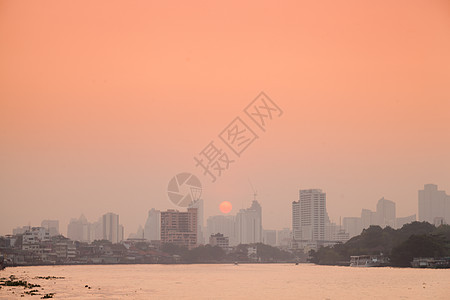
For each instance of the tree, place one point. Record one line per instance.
(418, 246)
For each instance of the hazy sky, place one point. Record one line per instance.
(102, 102)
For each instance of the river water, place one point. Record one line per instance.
(227, 281)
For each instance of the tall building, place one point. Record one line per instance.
(433, 204)
(198, 204)
(400, 222)
(224, 225)
(368, 218)
(78, 229)
(152, 228)
(270, 237)
(52, 226)
(179, 228)
(385, 215)
(309, 216)
(353, 226)
(112, 230)
(249, 224)
(284, 237)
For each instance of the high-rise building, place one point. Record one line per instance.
(112, 228)
(309, 216)
(433, 204)
(152, 228)
(385, 215)
(270, 237)
(400, 222)
(52, 226)
(249, 224)
(224, 225)
(353, 226)
(179, 228)
(78, 229)
(198, 204)
(368, 218)
(284, 237)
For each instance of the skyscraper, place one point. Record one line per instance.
(179, 228)
(200, 226)
(309, 216)
(111, 228)
(152, 228)
(433, 204)
(385, 215)
(77, 230)
(249, 224)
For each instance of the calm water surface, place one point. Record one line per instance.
(246, 281)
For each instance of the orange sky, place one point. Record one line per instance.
(102, 102)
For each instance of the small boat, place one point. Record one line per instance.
(431, 263)
(368, 261)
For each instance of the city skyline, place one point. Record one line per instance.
(149, 228)
(363, 88)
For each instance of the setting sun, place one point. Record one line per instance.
(225, 207)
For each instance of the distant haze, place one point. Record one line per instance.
(103, 102)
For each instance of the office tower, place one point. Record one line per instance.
(309, 215)
(78, 229)
(270, 237)
(249, 224)
(400, 222)
(385, 215)
(200, 226)
(284, 237)
(179, 228)
(111, 228)
(152, 228)
(368, 218)
(121, 233)
(224, 225)
(433, 204)
(353, 226)
(52, 226)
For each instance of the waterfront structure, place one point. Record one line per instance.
(179, 228)
(433, 204)
(152, 228)
(219, 240)
(32, 238)
(249, 224)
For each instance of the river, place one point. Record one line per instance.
(227, 281)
